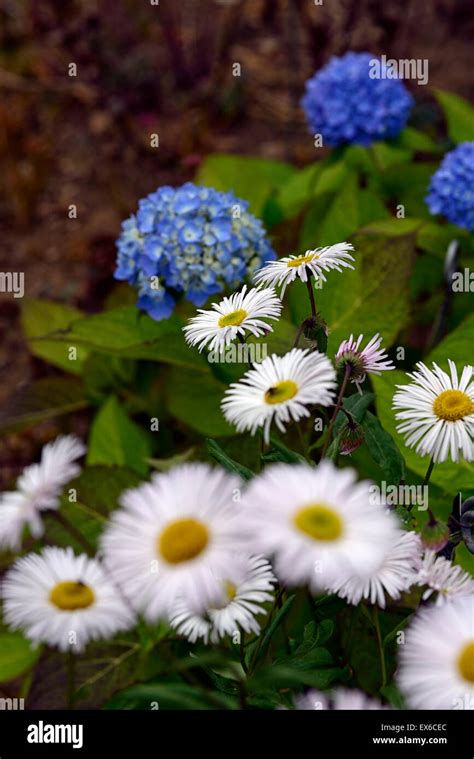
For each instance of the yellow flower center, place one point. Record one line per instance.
(230, 592)
(466, 662)
(69, 596)
(182, 540)
(319, 521)
(281, 392)
(301, 260)
(234, 319)
(452, 405)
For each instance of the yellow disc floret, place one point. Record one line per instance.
(182, 540)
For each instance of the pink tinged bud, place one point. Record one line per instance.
(352, 437)
(435, 534)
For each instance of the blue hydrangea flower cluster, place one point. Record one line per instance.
(451, 190)
(191, 239)
(346, 106)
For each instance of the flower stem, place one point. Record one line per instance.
(428, 473)
(73, 531)
(311, 293)
(276, 605)
(383, 667)
(337, 408)
(242, 653)
(71, 678)
(299, 333)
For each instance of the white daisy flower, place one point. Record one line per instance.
(62, 600)
(395, 574)
(38, 489)
(279, 389)
(436, 667)
(438, 412)
(319, 523)
(371, 360)
(242, 312)
(251, 586)
(175, 536)
(315, 262)
(340, 699)
(444, 578)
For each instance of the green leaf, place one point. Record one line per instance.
(390, 154)
(102, 669)
(393, 227)
(128, 333)
(42, 317)
(195, 400)
(44, 399)
(415, 140)
(279, 676)
(218, 454)
(252, 179)
(294, 194)
(331, 178)
(116, 440)
(17, 656)
(280, 452)
(459, 114)
(393, 634)
(105, 374)
(359, 158)
(96, 491)
(342, 218)
(393, 696)
(164, 465)
(457, 345)
(383, 450)
(371, 208)
(435, 238)
(170, 696)
(273, 627)
(407, 187)
(357, 405)
(282, 337)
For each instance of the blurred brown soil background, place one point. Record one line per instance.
(166, 68)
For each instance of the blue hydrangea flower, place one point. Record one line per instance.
(192, 240)
(346, 106)
(451, 190)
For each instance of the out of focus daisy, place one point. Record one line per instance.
(437, 412)
(241, 313)
(175, 536)
(313, 262)
(251, 587)
(319, 524)
(338, 700)
(38, 489)
(370, 360)
(63, 600)
(444, 579)
(396, 573)
(280, 389)
(436, 664)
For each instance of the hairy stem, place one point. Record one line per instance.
(383, 666)
(71, 678)
(73, 531)
(337, 408)
(309, 286)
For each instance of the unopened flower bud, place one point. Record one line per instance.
(351, 438)
(435, 534)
